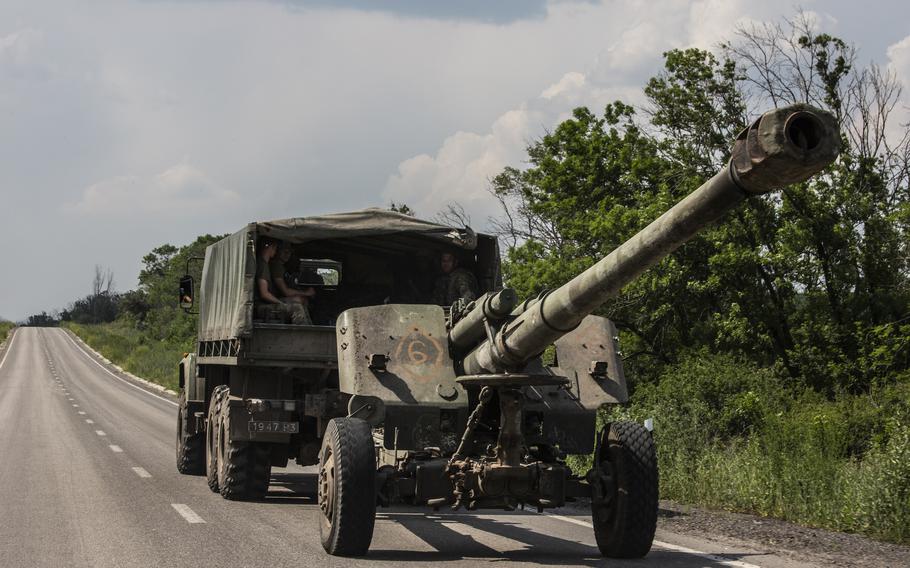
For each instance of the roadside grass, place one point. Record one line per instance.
(149, 358)
(734, 437)
(5, 327)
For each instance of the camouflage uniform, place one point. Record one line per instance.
(459, 284)
(283, 312)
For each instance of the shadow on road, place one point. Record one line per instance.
(446, 533)
(292, 488)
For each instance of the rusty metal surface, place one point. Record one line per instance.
(592, 341)
(418, 368)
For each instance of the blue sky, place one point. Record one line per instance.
(125, 125)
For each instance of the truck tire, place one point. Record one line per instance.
(625, 513)
(211, 437)
(244, 468)
(190, 447)
(346, 487)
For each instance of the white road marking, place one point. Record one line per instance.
(81, 413)
(188, 514)
(675, 547)
(124, 381)
(141, 472)
(89, 421)
(100, 432)
(9, 347)
(116, 449)
(75, 406)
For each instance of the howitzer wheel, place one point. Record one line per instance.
(347, 487)
(624, 491)
(190, 447)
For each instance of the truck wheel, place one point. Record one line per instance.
(211, 437)
(244, 468)
(190, 447)
(624, 488)
(347, 487)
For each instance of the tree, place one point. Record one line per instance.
(803, 281)
(453, 215)
(154, 303)
(97, 307)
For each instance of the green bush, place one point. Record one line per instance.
(5, 327)
(734, 436)
(152, 359)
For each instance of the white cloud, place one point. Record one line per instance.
(899, 61)
(177, 190)
(462, 168)
(465, 162)
(899, 64)
(295, 111)
(16, 47)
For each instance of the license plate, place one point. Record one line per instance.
(274, 427)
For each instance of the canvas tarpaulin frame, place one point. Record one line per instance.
(226, 306)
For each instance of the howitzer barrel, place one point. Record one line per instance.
(492, 306)
(784, 146)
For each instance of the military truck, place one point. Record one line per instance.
(399, 400)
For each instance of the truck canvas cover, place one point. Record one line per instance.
(226, 290)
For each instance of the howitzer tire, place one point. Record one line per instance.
(190, 447)
(211, 437)
(624, 507)
(244, 468)
(347, 487)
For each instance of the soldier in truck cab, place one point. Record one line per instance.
(278, 269)
(455, 283)
(266, 294)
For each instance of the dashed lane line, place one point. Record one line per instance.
(116, 449)
(89, 421)
(100, 432)
(675, 547)
(141, 472)
(81, 413)
(121, 379)
(188, 514)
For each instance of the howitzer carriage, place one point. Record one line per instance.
(400, 401)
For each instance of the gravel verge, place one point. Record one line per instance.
(783, 538)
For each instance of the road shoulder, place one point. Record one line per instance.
(118, 371)
(785, 539)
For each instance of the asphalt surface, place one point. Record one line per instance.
(87, 478)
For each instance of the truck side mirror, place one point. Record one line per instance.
(186, 292)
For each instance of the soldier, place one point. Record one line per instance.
(277, 268)
(269, 304)
(455, 283)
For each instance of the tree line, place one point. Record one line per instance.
(812, 281)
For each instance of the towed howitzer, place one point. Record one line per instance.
(470, 416)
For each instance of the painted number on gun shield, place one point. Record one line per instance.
(419, 349)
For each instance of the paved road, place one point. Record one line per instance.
(87, 478)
